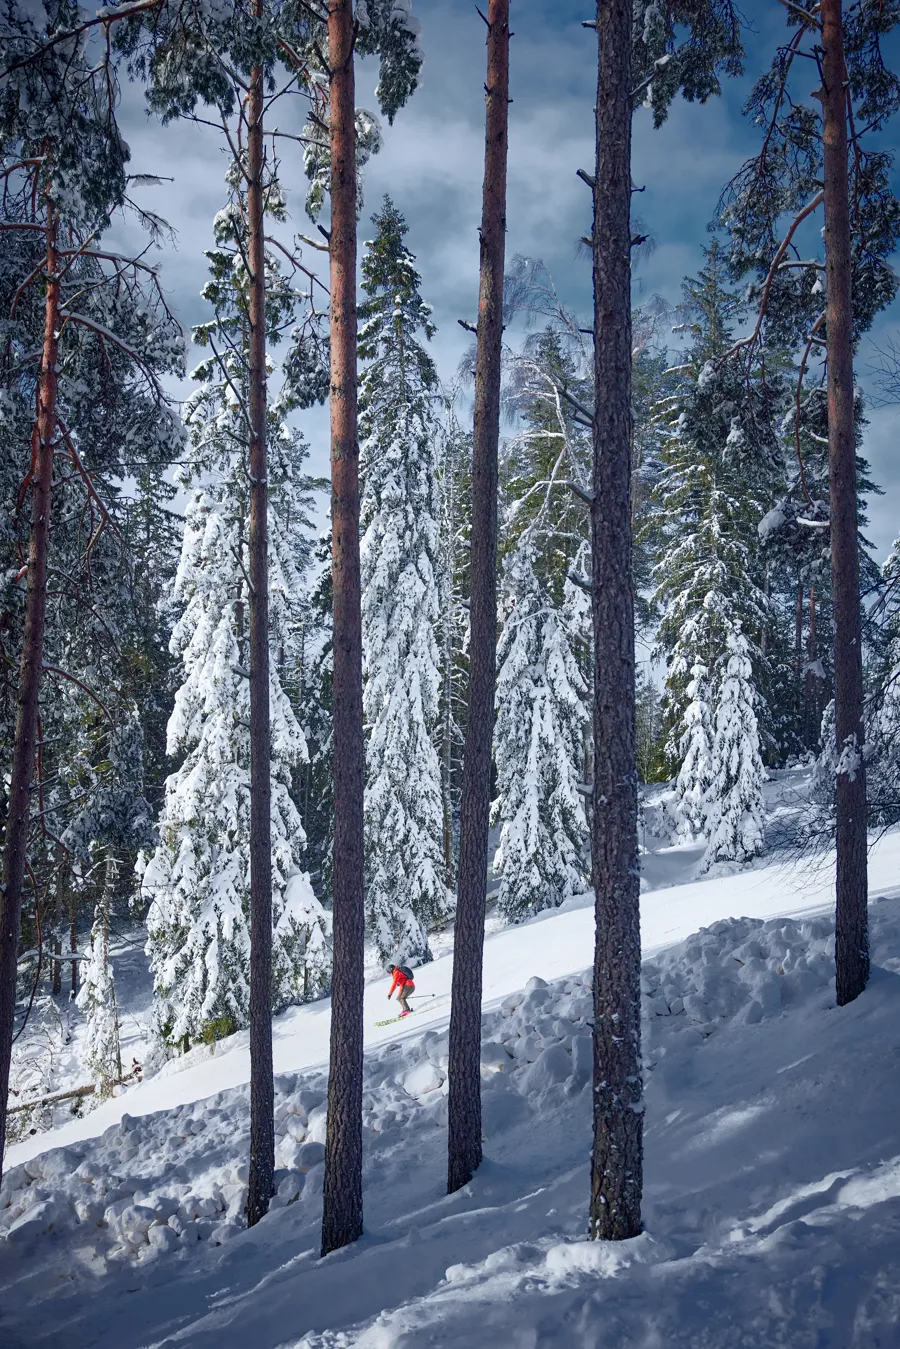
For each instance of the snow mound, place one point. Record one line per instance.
(739, 969)
(425, 1077)
(602, 1259)
(772, 522)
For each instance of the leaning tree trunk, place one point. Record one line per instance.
(342, 1214)
(262, 1084)
(616, 1163)
(851, 929)
(464, 1101)
(30, 665)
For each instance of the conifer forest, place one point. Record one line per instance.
(449, 544)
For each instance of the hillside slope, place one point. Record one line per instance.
(553, 945)
(772, 1168)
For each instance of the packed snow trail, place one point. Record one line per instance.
(555, 944)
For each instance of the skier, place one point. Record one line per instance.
(405, 985)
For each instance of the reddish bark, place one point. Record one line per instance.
(30, 666)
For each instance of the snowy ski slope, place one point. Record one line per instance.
(554, 945)
(772, 1161)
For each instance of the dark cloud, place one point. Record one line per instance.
(431, 163)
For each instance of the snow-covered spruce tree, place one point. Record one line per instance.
(97, 997)
(796, 552)
(538, 748)
(455, 519)
(651, 764)
(696, 751)
(550, 451)
(406, 892)
(152, 531)
(653, 383)
(199, 876)
(549, 387)
(95, 808)
(734, 812)
(578, 626)
(198, 879)
(709, 499)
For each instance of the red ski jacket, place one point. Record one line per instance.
(400, 981)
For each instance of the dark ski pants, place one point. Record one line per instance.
(402, 994)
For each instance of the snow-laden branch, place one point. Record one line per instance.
(105, 17)
(773, 272)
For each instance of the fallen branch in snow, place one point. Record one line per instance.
(134, 1075)
(53, 955)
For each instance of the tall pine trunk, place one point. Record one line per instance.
(262, 1085)
(464, 1101)
(851, 930)
(30, 665)
(617, 1158)
(342, 1214)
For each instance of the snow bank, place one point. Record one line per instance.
(740, 969)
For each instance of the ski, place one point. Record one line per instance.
(422, 997)
(391, 1019)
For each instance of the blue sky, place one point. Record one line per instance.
(431, 163)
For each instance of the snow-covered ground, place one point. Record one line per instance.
(554, 944)
(772, 1160)
(50, 1056)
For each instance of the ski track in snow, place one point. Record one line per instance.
(772, 1161)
